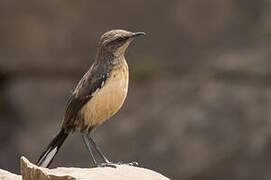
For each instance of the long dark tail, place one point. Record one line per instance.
(49, 154)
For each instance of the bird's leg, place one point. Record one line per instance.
(106, 163)
(86, 142)
(98, 149)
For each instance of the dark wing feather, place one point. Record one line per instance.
(81, 95)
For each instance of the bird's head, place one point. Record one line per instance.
(116, 41)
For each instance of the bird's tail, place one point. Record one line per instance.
(48, 155)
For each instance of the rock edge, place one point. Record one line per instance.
(30, 171)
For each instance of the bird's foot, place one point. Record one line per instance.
(129, 164)
(114, 165)
(106, 164)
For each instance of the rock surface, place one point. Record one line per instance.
(32, 172)
(5, 175)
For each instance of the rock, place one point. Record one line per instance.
(5, 175)
(32, 172)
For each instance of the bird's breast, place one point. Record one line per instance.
(107, 100)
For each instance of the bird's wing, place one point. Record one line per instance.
(91, 82)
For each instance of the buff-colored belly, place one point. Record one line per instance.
(107, 100)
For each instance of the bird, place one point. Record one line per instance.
(97, 97)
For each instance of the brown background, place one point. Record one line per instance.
(199, 101)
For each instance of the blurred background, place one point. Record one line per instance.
(198, 106)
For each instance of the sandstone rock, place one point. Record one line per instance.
(32, 172)
(5, 175)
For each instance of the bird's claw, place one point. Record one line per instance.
(114, 165)
(107, 164)
(129, 164)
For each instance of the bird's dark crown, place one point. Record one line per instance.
(116, 41)
(114, 35)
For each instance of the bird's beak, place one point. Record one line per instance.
(135, 34)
